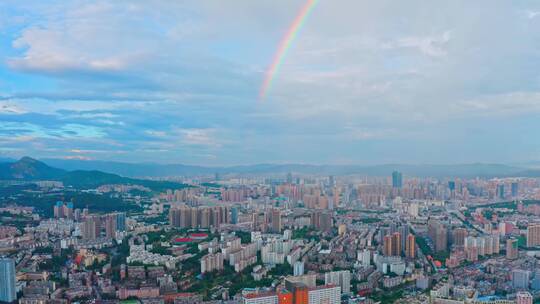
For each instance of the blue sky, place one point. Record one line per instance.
(363, 83)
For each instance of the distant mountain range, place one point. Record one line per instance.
(425, 170)
(82, 173)
(30, 169)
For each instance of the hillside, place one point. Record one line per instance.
(30, 169)
(162, 170)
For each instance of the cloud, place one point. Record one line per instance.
(199, 137)
(430, 46)
(178, 81)
(7, 108)
(532, 14)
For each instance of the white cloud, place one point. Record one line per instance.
(532, 14)
(182, 78)
(9, 108)
(199, 137)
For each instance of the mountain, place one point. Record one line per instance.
(129, 169)
(530, 173)
(162, 170)
(91, 173)
(30, 169)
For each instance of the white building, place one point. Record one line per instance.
(324, 295)
(298, 268)
(340, 278)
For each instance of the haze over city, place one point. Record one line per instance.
(359, 82)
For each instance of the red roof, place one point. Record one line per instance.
(260, 295)
(183, 240)
(199, 235)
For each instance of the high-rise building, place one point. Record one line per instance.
(8, 293)
(364, 257)
(198, 217)
(211, 262)
(289, 178)
(500, 191)
(331, 181)
(298, 268)
(512, 249)
(514, 189)
(322, 220)
(234, 215)
(339, 278)
(410, 246)
(452, 186)
(397, 179)
(121, 221)
(520, 278)
(392, 244)
(90, 228)
(59, 209)
(404, 230)
(324, 295)
(276, 220)
(533, 234)
(396, 244)
(387, 245)
(524, 297)
(68, 210)
(458, 237)
(438, 234)
(110, 223)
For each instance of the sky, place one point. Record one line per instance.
(364, 82)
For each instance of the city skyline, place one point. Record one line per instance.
(359, 82)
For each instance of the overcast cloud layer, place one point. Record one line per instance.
(177, 81)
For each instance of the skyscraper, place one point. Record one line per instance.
(512, 249)
(410, 246)
(515, 189)
(234, 215)
(7, 280)
(339, 278)
(276, 220)
(392, 244)
(289, 178)
(439, 234)
(520, 278)
(110, 222)
(298, 268)
(396, 244)
(404, 230)
(500, 191)
(452, 185)
(90, 228)
(59, 209)
(533, 234)
(397, 179)
(68, 210)
(121, 221)
(458, 237)
(331, 181)
(387, 245)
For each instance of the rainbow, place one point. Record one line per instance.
(285, 45)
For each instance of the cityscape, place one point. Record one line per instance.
(89, 236)
(269, 152)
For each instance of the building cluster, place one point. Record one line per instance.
(298, 240)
